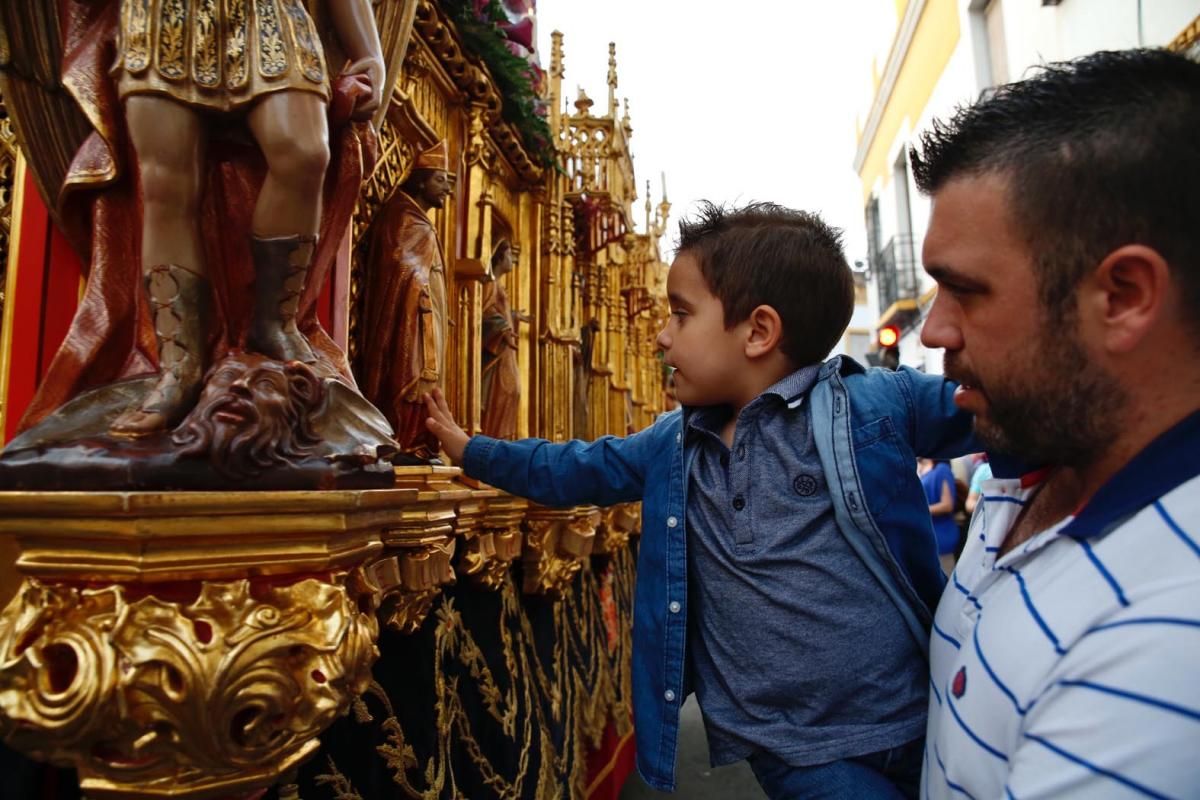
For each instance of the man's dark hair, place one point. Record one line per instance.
(765, 254)
(1100, 152)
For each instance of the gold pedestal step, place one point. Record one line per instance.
(194, 644)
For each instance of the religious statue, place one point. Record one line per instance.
(404, 343)
(581, 359)
(222, 157)
(501, 374)
(265, 62)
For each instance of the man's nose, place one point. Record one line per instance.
(663, 340)
(941, 328)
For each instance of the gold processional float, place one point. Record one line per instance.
(221, 493)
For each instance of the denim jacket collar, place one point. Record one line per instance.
(791, 389)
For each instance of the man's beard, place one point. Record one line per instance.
(1062, 410)
(264, 441)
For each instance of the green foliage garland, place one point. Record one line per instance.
(512, 73)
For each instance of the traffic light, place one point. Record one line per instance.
(888, 340)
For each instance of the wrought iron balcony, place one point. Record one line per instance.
(896, 271)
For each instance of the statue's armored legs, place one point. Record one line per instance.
(169, 142)
(280, 269)
(291, 130)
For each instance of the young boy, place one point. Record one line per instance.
(787, 568)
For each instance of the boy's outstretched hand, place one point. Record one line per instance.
(442, 425)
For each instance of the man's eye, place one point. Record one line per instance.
(955, 289)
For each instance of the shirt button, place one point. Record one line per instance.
(674, 606)
(669, 696)
(672, 522)
(739, 503)
(741, 452)
(678, 438)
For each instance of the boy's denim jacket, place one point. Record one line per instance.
(875, 424)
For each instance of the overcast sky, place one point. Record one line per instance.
(754, 100)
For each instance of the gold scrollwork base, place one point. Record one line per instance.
(491, 539)
(184, 689)
(412, 580)
(419, 546)
(557, 543)
(617, 524)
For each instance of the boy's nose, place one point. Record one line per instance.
(662, 340)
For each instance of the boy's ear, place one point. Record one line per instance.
(765, 331)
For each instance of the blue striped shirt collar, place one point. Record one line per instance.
(1167, 462)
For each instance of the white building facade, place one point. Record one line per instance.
(941, 54)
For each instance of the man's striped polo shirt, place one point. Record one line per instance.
(1070, 667)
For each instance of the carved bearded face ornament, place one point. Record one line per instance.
(254, 413)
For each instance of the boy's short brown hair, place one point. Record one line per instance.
(765, 254)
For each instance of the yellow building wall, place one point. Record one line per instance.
(929, 52)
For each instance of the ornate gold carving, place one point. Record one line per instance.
(171, 38)
(557, 543)
(236, 39)
(426, 89)
(471, 78)
(206, 60)
(491, 539)
(419, 546)
(304, 39)
(186, 535)
(8, 192)
(617, 524)
(137, 35)
(149, 695)
(1188, 40)
(272, 57)
(412, 579)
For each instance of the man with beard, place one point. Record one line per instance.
(255, 413)
(1065, 240)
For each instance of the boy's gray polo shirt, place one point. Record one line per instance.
(793, 647)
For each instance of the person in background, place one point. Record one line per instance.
(938, 482)
(983, 472)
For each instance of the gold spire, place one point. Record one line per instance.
(612, 80)
(648, 205)
(556, 75)
(583, 103)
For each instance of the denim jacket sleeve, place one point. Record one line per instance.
(607, 471)
(942, 430)
(939, 428)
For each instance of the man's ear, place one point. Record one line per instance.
(764, 331)
(1127, 294)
